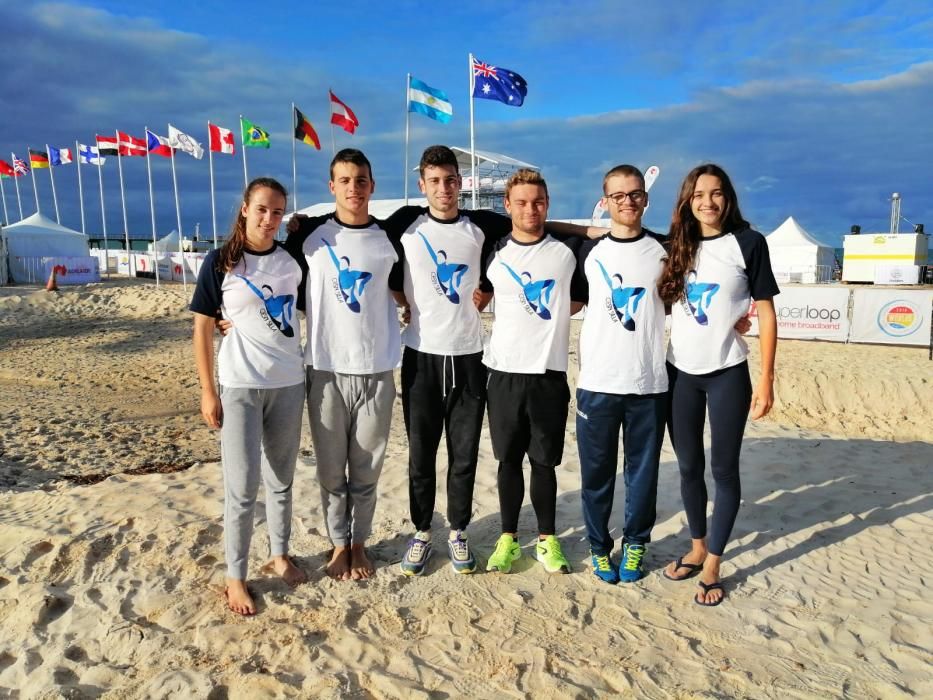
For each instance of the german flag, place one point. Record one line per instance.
(304, 132)
(38, 159)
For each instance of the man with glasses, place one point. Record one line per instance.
(623, 380)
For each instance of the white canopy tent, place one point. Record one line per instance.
(38, 237)
(796, 256)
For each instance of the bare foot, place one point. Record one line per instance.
(339, 566)
(238, 598)
(361, 568)
(285, 567)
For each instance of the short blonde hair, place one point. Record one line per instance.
(525, 176)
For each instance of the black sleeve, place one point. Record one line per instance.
(303, 264)
(583, 284)
(578, 287)
(397, 273)
(400, 220)
(754, 247)
(661, 238)
(208, 291)
(295, 241)
(494, 225)
(489, 255)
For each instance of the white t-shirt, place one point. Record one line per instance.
(352, 320)
(622, 338)
(261, 296)
(443, 260)
(730, 270)
(534, 284)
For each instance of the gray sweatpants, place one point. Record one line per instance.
(350, 415)
(260, 435)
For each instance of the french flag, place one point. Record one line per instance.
(341, 115)
(158, 145)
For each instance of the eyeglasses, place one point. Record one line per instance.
(637, 197)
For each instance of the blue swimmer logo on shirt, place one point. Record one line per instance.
(448, 276)
(623, 301)
(535, 296)
(350, 283)
(277, 311)
(698, 296)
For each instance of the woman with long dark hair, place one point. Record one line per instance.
(258, 286)
(716, 266)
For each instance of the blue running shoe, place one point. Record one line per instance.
(461, 558)
(630, 568)
(417, 554)
(603, 568)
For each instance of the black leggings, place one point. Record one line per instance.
(727, 393)
(512, 493)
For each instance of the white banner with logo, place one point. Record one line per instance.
(897, 316)
(814, 313)
(73, 270)
(192, 266)
(124, 260)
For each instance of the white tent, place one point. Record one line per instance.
(380, 208)
(796, 256)
(37, 237)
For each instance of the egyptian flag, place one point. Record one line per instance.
(304, 132)
(107, 145)
(38, 159)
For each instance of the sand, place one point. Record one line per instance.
(111, 553)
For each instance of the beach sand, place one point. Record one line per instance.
(111, 544)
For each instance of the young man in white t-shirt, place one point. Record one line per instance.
(623, 379)
(353, 346)
(537, 288)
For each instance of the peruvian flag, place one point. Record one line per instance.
(221, 139)
(131, 146)
(341, 115)
(158, 145)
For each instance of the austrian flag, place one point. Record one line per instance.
(221, 140)
(341, 115)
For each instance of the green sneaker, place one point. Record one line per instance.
(551, 557)
(506, 552)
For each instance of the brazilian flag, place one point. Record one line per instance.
(253, 136)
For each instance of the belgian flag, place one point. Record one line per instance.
(38, 159)
(304, 132)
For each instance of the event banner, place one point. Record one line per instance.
(73, 270)
(814, 313)
(896, 316)
(144, 265)
(192, 263)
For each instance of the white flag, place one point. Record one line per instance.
(183, 142)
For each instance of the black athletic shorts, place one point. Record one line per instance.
(527, 415)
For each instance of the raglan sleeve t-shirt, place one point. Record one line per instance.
(730, 270)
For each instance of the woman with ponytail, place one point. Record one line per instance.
(716, 266)
(254, 283)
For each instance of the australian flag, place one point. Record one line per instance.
(491, 83)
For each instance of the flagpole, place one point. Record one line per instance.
(210, 162)
(126, 228)
(155, 252)
(294, 166)
(35, 190)
(80, 188)
(52, 178)
(6, 219)
(103, 212)
(243, 148)
(181, 250)
(473, 177)
(19, 201)
(407, 123)
(330, 106)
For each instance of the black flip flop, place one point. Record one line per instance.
(694, 570)
(707, 587)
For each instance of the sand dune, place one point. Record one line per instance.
(111, 556)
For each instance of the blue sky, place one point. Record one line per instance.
(817, 110)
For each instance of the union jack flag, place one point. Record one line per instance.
(19, 166)
(483, 69)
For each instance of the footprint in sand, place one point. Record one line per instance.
(38, 550)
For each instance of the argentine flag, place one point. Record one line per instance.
(430, 102)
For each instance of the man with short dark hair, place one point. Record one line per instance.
(537, 288)
(351, 351)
